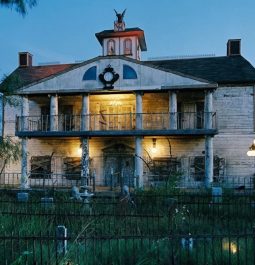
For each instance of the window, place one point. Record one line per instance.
(72, 167)
(90, 74)
(199, 167)
(127, 47)
(111, 47)
(129, 72)
(40, 167)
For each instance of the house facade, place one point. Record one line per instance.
(116, 120)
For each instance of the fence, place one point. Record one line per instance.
(172, 250)
(144, 228)
(66, 181)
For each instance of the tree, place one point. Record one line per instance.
(10, 151)
(19, 5)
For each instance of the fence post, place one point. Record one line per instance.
(61, 233)
(111, 178)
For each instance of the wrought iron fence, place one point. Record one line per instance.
(176, 229)
(116, 181)
(172, 250)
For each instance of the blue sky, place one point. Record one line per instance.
(64, 30)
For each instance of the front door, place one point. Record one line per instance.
(188, 121)
(119, 166)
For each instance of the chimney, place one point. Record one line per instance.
(234, 47)
(25, 59)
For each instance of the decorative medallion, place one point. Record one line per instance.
(108, 77)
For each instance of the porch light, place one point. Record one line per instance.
(79, 151)
(229, 245)
(154, 145)
(251, 151)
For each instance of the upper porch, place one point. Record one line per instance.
(130, 114)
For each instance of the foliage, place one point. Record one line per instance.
(19, 5)
(9, 85)
(10, 151)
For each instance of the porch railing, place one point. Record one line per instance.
(115, 122)
(64, 181)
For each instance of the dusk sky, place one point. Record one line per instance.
(64, 31)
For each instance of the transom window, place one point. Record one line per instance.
(129, 72)
(90, 74)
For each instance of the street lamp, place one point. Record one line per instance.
(251, 151)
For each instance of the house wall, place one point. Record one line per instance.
(235, 112)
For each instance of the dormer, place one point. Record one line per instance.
(129, 42)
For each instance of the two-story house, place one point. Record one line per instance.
(118, 120)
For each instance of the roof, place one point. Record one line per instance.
(31, 74)
(222, 70)
(125, 33)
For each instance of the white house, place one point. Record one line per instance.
(116, 120)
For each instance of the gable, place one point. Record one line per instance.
(148, 78)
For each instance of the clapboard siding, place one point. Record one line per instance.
(234, 108)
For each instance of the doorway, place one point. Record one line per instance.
(118, 165)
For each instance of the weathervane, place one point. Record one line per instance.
(119, 24)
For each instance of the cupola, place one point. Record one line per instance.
(120, 40)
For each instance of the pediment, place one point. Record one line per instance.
(148, 78)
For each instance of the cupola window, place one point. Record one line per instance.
(111, 47)
(90, 74)
(127, 47)
(129, 72)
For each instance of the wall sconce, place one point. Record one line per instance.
(154, 142)
(154, 145)
(251, 151)
(79, 151)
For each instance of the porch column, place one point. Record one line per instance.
(208, 139)
(85, 161)
(208, 161)
(173, 110)
(1, 116)
(24, 113)
(139, 161)
(139, 110)
(54, 112)
(24, 176)
(208, 109)
(85, 113)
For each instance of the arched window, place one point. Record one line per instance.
(111, 47)
(90, 74)
(129, 72)
(127, 47)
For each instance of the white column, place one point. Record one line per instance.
(1, 115)
(208, 109)
(208, 161)
(53, 112)
(139, 161)
(85, 113)
(208, 139)
(24, 176)
(24, 113)
(139, 110)
(173, 110)
(85, 161)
